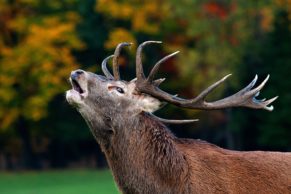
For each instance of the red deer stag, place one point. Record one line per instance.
(145, 157)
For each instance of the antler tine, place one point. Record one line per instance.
(257, 89)
(264, 104)
(158, 64)
(116, 57)
(203, 94)
(159, 81)
(244, 98)
(104, 67)
(251, 85)
(170, 121)
(139, 68)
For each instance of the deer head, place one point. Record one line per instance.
(105, 101)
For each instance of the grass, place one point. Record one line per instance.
(58, 182)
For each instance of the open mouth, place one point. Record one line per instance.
(76, 86)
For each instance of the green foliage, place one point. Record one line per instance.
(269, 53)
(276, 59)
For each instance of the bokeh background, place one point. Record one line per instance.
(45, 145)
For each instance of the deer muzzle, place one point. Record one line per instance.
(79, 90)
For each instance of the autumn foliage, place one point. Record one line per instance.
(42, 41)
(35, 59)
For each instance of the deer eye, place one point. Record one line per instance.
(120, 90)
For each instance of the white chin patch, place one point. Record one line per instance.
(74, 97)
(150, 104)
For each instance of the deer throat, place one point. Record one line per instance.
(147, 156)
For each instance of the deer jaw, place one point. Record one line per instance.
(79, 89)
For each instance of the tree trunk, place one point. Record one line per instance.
(28, 159)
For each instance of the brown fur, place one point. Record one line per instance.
(150, 159)
(146, 158)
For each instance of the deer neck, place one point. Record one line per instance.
(143, 152)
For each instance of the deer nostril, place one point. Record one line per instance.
(76, 74)
(79, 72)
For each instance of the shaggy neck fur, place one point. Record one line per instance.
(144, 159)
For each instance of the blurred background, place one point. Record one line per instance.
(45, 145)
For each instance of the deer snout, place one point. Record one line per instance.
(79, 81)
(75, 75)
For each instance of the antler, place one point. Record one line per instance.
(116, 57)
(243, 98)
(104, 67)
(170, 121)
(116, 75)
